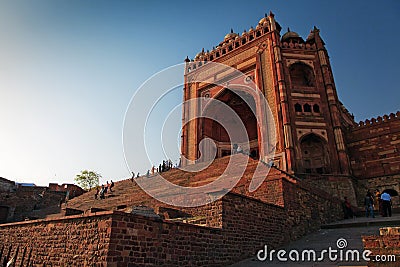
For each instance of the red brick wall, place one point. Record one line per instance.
(242, 226)
(374, 147)
(387, 243)
(308, 208)
(71, 241)
(28, 201)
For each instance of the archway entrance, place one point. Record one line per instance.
(3, 213)
(240, 103)
(314, 154)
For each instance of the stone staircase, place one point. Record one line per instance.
(127, 193)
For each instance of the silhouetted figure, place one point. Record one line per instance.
(369, 205)
(97, 192)
(111, 185)
(347, 210)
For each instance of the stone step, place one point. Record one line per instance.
(365, 222)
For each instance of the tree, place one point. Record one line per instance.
(88, 179)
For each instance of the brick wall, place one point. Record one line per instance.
(374, 147)
(6, 185)
(70, 241)
(30, 202)
(387, 243)
(241, 226)
(336, 185)
(308, 208)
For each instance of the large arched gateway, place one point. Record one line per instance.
(217, 119)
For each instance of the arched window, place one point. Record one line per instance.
(297, 107)
(307, 108)
(316, 108)
(314, 154)
(301, 75)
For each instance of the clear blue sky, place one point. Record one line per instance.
(68, 69)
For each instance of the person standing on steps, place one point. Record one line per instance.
(97, 192)
(102, 192)
(386, 204)
(369, 205)
(347, 210)
(111, 185)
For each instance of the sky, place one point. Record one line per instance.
(68, 69)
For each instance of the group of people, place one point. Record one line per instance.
(166, 165)
(101, 192)
(384, 202)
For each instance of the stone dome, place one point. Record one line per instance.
(263, 20)
(291, 36)
(230, 35)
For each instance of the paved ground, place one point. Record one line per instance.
(351, 230)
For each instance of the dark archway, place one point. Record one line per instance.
(391, 192)
(240, 103)
(314, 154)
(4, 213)
(301, 75)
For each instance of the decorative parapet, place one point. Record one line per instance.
(378, 120)
(305, 46)
(233, 40)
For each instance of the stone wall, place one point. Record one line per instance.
(148, 241)
(6, 185)
(386, 245)
(308, 207)
(241, 226)
(374, 147)
(69, 241)
(338, 186)
(30, 202)
(73, 190)
(374, 152)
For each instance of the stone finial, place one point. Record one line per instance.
(271, 14)
(231, 30)
(187, 59)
